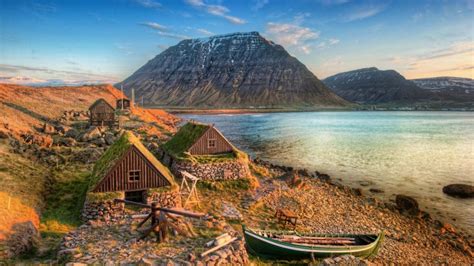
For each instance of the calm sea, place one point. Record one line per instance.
(412, 153)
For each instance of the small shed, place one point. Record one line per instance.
(102, 113)
(198, 139)
(129, 167)
(123, 103)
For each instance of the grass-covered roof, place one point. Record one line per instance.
(185, 138)
(115, 152)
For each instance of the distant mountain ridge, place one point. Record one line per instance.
(371, 86)
(238, 70)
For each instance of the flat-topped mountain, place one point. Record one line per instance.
(371, 86)
(460, 89)
(237, 70)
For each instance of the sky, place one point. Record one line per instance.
(97, 41)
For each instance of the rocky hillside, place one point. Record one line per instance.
(46, 153)
(373, 86)
(240, 70)
(25, 109)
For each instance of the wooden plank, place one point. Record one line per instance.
(218, 247)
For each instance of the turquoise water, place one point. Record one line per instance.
(412, 153)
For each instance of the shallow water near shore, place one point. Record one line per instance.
(411, 153)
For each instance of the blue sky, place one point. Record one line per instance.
(105, 41)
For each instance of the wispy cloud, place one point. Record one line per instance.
(148, 3)
(292, 34)
(19, 74)
(205, 32)
(364, 12)
(332, 2)
(216, 10)
(164, 31)
(258, 4)
(456, 49)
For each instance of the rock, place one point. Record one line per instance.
(357, 191)
(3, 135)
(406, 203)
(323, 177)
(376, 190)
(72, 133)
(48, 129)
(93, 134)
(459, 190)
(109, 138)
(68, 142)
(75, 264)
(365, 183)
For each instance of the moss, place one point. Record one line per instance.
(116, 151)
(108, 159)
(96, 197)
(160, 190)
(184, 139)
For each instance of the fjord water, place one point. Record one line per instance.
(411, 153)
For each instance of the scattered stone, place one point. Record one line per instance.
(459, 190)
(48, 129)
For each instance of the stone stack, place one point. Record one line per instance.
(106, 211)
(166, 199)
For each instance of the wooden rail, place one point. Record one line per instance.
(174, 211)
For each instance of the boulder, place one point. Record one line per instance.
(93, 134)
(72, 133)
(48, 129)
(68, 142)
(376, 190)
(459, 190)
(407, 203)
(3, 135)
(109, 138)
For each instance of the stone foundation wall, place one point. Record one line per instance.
(106, 211)
(214, 171)
(167, 199)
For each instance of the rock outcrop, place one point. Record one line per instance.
(459, 190)
(235, 70)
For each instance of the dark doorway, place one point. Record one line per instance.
(136, 196)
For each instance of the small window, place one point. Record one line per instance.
(134, 176)
(211, 143)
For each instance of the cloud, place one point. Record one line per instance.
(154, 26)
(333, 41)
(205, 32)
(364, 12)
(45, 76)
(333, 2)
(148, 3)
(291, 35)
(456, 49)
(258, 4)
(164, 31)
(216, 10)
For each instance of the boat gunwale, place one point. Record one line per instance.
(315, 248)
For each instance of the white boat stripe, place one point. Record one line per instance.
(310, 250)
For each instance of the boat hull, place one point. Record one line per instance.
(271, 248)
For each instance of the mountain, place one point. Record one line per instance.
(237, 70)
(374, 86)
(456, 89)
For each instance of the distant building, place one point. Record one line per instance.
(127, 166)
(123, 104)
(102, 114)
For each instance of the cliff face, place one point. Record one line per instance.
(371, 85)
(235, 70)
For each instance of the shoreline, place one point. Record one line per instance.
(339, 183)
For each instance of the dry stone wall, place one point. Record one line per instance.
(213, 171)
(106, 211)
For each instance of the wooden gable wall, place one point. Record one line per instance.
(118, 178)
(102, 113)
(201, 147)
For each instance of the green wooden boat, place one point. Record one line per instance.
(294, 245)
